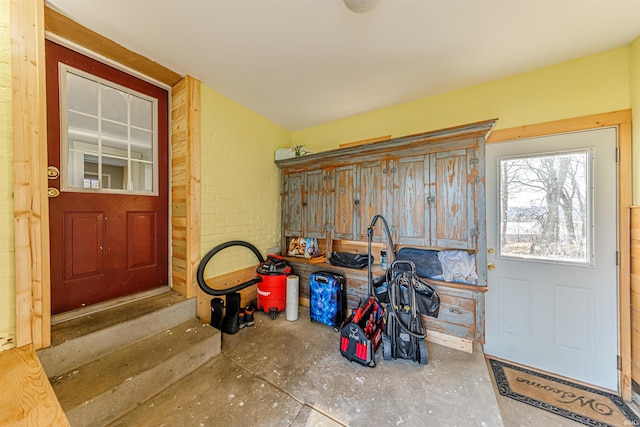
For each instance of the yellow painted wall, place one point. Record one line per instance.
(594, 84)
(7, 269)
(239, 181)
(634, 89)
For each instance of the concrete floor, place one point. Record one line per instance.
(281, 373)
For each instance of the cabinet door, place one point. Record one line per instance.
(411, 208)
(370, 198)
(344, 221)
(315, 204)
(454, 192)
(292, 204)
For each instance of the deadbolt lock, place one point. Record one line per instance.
(53, 172)
(491, 251)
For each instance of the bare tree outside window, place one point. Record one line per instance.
(544, 207)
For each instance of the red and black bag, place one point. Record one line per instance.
(362, 333)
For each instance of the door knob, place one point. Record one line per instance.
(491, 266)
(53, 192)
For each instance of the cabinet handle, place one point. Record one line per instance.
(431, 199)
(356, 202)
(455, 310)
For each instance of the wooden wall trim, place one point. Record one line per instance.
(185, 185)
(635, 293)
(70, 30)
(31, 207)
(226, 281)
(622, 120)
(594, 121)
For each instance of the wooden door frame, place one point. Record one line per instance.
(622, 121)
(31, 210)
(28, 21)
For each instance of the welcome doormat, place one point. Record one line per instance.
(573, 401)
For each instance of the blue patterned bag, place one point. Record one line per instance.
(327, 298)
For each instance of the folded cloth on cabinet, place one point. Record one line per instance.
(458, 266)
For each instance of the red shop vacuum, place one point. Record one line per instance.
(272, 289)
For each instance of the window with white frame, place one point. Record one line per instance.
(109, 136)
(546, 207)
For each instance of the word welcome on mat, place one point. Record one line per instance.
(573, 401)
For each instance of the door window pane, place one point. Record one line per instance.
(110, 142)
(141, 145)
(82, 94)
(114, 134)
(141, 113)
(113, 104)
(545, 207)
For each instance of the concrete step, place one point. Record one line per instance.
(104, 389)
(79, 341)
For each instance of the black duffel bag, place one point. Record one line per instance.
(426, 261)
(345, 259)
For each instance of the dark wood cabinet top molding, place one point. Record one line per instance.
(398, 147)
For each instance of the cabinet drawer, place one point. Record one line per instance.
(457, 310)
(457, 317)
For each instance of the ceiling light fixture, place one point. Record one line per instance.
(361, 6)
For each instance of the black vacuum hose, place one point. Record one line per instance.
(205, 260)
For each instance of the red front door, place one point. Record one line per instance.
(109, 222)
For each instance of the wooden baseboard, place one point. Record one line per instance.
(450, 341)
(225, 281)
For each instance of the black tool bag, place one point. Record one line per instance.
(426, 297)
(348, 260)
(361, 333)
(380, 289)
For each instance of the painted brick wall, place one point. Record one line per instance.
(7, 271)
(239, 181)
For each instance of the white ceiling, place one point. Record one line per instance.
(301, 63)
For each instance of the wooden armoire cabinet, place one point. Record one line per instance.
(430, 189)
